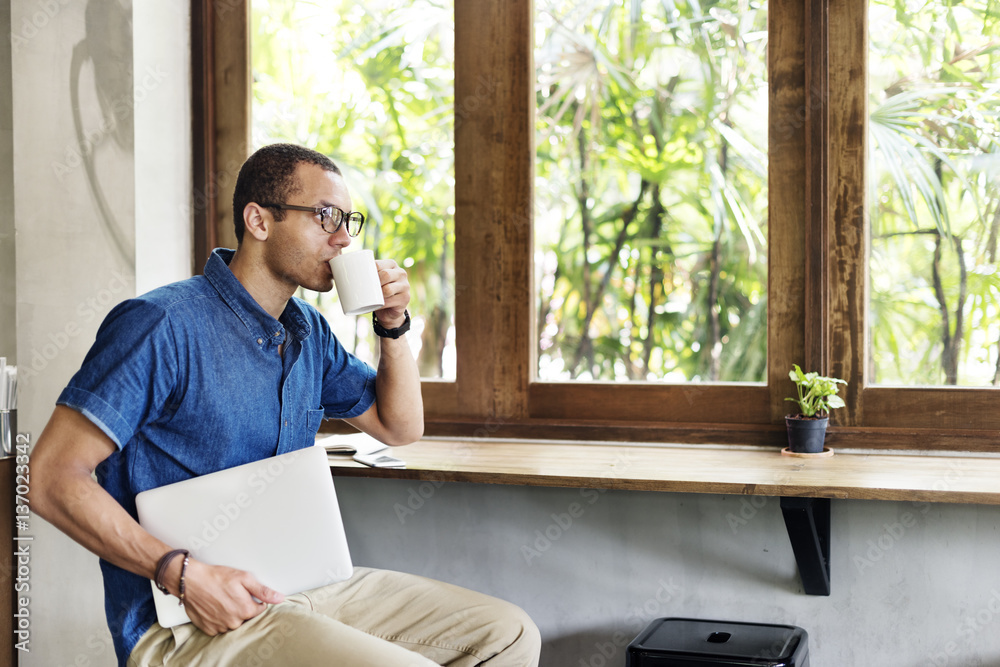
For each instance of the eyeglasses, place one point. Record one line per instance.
(330, 217)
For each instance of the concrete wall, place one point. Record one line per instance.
(913, 585)
(99, 134)
(8, 263)
(74, 216)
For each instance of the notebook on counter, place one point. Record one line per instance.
(277, 518)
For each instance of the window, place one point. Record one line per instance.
(818, 246)
(651, 191)
(372, 86)
(935, 194)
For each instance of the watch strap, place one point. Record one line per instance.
(391, 333)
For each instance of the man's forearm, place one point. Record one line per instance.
(397, 389)
(64, 493)
(397, 418)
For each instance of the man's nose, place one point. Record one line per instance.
(340, 237)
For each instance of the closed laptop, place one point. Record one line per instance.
(277, 518)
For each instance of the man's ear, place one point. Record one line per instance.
(256, 222)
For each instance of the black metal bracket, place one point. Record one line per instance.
(808, 523)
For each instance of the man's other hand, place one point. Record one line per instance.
(218, 599)
(395, 291)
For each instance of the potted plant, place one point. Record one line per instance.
(817, 395)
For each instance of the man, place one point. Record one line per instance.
(227, 368)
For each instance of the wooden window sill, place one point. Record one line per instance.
(729, 470)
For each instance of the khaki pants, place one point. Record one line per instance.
(377, 618)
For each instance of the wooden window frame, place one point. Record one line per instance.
(817, 255)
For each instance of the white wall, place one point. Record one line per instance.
(163, 215)
(911, 583)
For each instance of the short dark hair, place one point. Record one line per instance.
(268, 176)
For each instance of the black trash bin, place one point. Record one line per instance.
(689, 642)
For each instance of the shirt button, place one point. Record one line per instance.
(260, 341)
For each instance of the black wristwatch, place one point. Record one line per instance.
(391, 333)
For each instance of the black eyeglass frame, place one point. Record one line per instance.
(325, 214)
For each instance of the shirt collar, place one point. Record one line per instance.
(259, 323)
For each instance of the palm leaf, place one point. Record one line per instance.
(910, 170)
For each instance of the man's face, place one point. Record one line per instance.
(298, 250)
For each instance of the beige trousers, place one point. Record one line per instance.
(377, 618)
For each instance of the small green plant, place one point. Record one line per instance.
(817, 394)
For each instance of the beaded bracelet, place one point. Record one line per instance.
(184, 567)
(161, 568)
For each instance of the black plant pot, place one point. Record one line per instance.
(806, 434)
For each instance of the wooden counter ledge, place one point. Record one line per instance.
(694, 469)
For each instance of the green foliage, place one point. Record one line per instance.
(371, 85)
(817, 394)
(652, 191)
(934, 192)
(651, 195)
(651, 176)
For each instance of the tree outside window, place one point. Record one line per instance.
(651, 190)
(372, 86)
(934, 85)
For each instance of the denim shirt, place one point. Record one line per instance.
(187, 380)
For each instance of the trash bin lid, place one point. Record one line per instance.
(717, 641)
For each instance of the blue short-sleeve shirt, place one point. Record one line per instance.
(187, 380)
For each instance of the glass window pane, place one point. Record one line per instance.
(934, 192)
(372, 86)
(651, 190)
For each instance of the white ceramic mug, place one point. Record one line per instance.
(358, 284)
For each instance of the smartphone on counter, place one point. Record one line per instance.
(379, 460)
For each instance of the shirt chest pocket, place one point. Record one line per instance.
(313, 420)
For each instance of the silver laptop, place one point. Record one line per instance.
(277, 518)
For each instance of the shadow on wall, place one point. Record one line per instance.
(107, 46)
